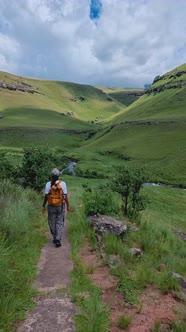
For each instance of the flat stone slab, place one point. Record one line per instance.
(52, 314)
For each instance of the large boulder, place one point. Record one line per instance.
(106, 224)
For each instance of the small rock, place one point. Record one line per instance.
(135, 252)
(180, 279)
(133, 228)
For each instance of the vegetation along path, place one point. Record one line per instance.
(54, 309)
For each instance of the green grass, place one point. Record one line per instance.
(18, 138)
(124, 322)
(21, 239)
(93, 316)
(160, 246)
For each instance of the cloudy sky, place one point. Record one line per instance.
(99, 42)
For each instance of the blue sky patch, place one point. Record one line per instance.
(95, 9)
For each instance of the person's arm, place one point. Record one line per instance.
(45, 199)
(65, 195)
(44, 203)
(67, 203)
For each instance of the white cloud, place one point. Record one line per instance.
(133, 41)
(10, 53)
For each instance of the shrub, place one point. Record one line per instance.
(128, 183)
(99, 201)
(37, 164)
(8, 168)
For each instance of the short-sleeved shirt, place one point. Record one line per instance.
(48, 186)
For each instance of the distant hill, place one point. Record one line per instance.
(125, 96)
(77, 101)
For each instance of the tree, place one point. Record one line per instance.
(37, 164)
(128, 183)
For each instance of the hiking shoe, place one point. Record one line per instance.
(54, 241)
(58, 243)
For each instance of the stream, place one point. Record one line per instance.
(71, 169)
(160, 184)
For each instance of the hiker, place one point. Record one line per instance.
(56, 196)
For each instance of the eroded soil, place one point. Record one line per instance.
(153, 305)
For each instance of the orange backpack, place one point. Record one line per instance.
(55, 196)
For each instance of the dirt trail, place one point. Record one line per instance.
(54, 309)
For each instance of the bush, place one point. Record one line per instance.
(37, 165)
(99, 201)
(128, 183)
(9, 169)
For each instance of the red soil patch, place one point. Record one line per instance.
(153, 305)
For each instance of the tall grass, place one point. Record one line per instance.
(21, 239)
(93, 315)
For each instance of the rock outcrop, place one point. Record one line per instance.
(20, 87)
(105, 224)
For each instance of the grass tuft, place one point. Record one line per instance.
(124, 322)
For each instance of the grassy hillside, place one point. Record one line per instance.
(164, 100)
(22, 126)
(150, 132)
(160, 147)
(80, 101)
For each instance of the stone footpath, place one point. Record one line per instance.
(54, 310)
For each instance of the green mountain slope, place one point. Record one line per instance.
(165, 99)
(80, 101)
